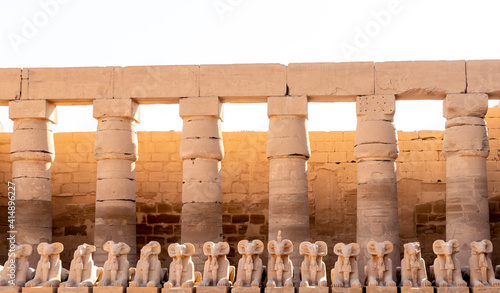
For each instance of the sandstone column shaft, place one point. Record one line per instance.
(116, 153)
(288, 150)
(201, 151)
(375, 149)
(32, 154)
(466, 146)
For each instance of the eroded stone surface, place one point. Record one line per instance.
(313, 269)
(345, 272)
(447, 270)
(48, 269)
(148, 268)
(249, 273)
(82, 271)
(16, 267)
(181, 273)
(280, 266)
(413, 271)
(116, 268)
(480, 268)
(379, 269)
(216, 271)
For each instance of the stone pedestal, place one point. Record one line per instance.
(142, 290)
(201, 150)
(179, 290)
(417, 289)
(380, 289)
(39, 290)
(10, 289)
(109, 289)
(75, 289)
(485, 290)
(313, 289)
(346, 290)
(376, 149)
(280, 290)
(452, 289)
(116, 152)
(288, 150)
(466, 146)
(32, 153)
(247, 290)
(213, 289)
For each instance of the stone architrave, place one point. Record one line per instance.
(116, 153)
(288, 150)
(466, 146)
(32, 153)
(482, 275)
(201, 150)
(375, 149)
(49, 267)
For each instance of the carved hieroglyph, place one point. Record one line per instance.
(413, 272)
(378, 270)
(250, 265)
(375, 149)
(280, 266)
(216, 271)
(466, 146)
(82, 271)
(201, 150)
(313, 268)
(48, 269)
(447, 269)
(32, 153)
(16, 269)
(288, 150)
(116, 268)
(116, 151)
(480, 267)
(181, 273)
(345, 272)
(148, 269)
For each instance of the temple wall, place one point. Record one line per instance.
(421, 187)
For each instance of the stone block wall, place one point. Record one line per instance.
(245, 181)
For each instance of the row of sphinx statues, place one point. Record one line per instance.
(218, 272)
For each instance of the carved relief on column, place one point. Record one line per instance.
(116, 152)
(375, 149)
(466, 146)
(201, 150)
(32, 154)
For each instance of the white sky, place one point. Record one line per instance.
(68, 33)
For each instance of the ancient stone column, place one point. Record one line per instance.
(201, 151)
(288, 150)
(375, 149)
(32, 154)
(465, 146)
(116, 153)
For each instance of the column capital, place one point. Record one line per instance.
(287, 106)
(376, 107)
(40, 109)
(127, 108)
(201, 106)
(465, 105)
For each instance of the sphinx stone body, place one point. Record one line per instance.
(82, 272)
(446, 265)
(216, 271)
(345, 272)
(116, 268)
(413, 272)
(313, 268)
(48, 269)
(280, 267)
(18, 259)
(480, 267)
(378, 269)
(249, 271)
(148, 269)
(181, 272)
